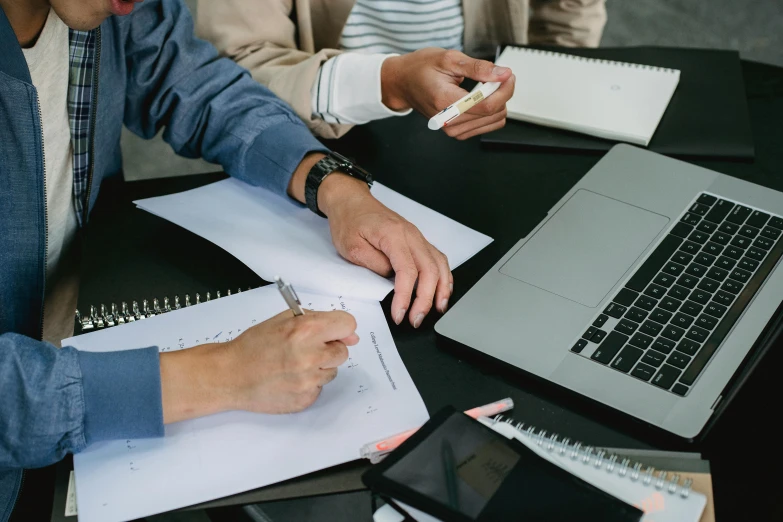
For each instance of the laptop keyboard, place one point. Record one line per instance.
(672, 315)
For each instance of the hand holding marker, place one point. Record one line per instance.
(464, 104)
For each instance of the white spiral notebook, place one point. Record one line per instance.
(614, 100)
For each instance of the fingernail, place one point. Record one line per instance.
(418, 320)
(443, 304)
(499, 71)
(400, 316)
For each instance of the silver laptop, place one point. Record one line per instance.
(645, 288)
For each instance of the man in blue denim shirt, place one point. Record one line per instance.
(70, 75)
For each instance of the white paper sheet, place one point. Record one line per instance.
(372, 397)
(276, 236)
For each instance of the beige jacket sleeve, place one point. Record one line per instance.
(260, 36)
(570, 23)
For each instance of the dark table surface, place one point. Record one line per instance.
(130, 254)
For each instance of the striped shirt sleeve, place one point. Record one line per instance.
(347, 89)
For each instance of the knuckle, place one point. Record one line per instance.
(452, 56)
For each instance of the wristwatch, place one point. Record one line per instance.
(332, 162)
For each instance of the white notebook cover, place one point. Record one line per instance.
(614, 100)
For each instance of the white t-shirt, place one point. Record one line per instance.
(348, 86)
(49, 65)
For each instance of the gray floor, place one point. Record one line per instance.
(754, 27)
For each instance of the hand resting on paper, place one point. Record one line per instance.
(369, 234)
(278, 366)
(428, 80)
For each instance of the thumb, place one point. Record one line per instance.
(479, 70)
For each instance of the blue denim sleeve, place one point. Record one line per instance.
(209, 106)
(56, 401)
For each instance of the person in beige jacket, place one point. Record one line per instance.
(345, 62)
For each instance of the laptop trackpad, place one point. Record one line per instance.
(585, 248)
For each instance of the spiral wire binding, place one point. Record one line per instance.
(573, 57)
(600, 458)
(101, 318)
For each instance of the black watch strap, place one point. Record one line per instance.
(325, 166)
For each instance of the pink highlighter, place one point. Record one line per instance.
(375, 451)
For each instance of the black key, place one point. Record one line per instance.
(600, 320)
(670, 304)
(666, 376)
(715, 309)
(653, 264)
(699, 296)
(695, 269)
(707, 227)
(691, 308)
(698, 237)
(626, 327)
(706, 321)
(688, 346)
(690, 248)
(740, 275)
(636, 315)
(756, 253)
(589, 333)
(625, 297)
(660, 316)
(708, 284)
(763, 242)
(663, 345)
(772, 233)
(643, 372)
(730, 315)
(680, 389)
(678, 359)
(740, 241)
(732, 286)
(713, 249)
(728, 228)
(682, 258)
(598, 336)
(776, 222)
(651, 328)
(615, 310)
(655, 291)
(738, 215)
(674, 269)
(687, 280)
(653, 358)
(682, 320)
(678, 292)
(705, 259)
(697, 334)
(627, 358)
(672, 332)
(725, 263)
(691, 219)
(724, 298)
(641, 340)
(748, 264)
(719, 211)
(733, 252)
(664, 280)
(682, 230)
(717, 274)
(645, 302)
(579, 346)
(609, 348)
(721, 238)
(749, 231)
(757, 219)
(699, 209)
(706, 199)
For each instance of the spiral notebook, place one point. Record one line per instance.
(614, 100)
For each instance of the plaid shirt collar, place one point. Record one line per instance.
(82, 60)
